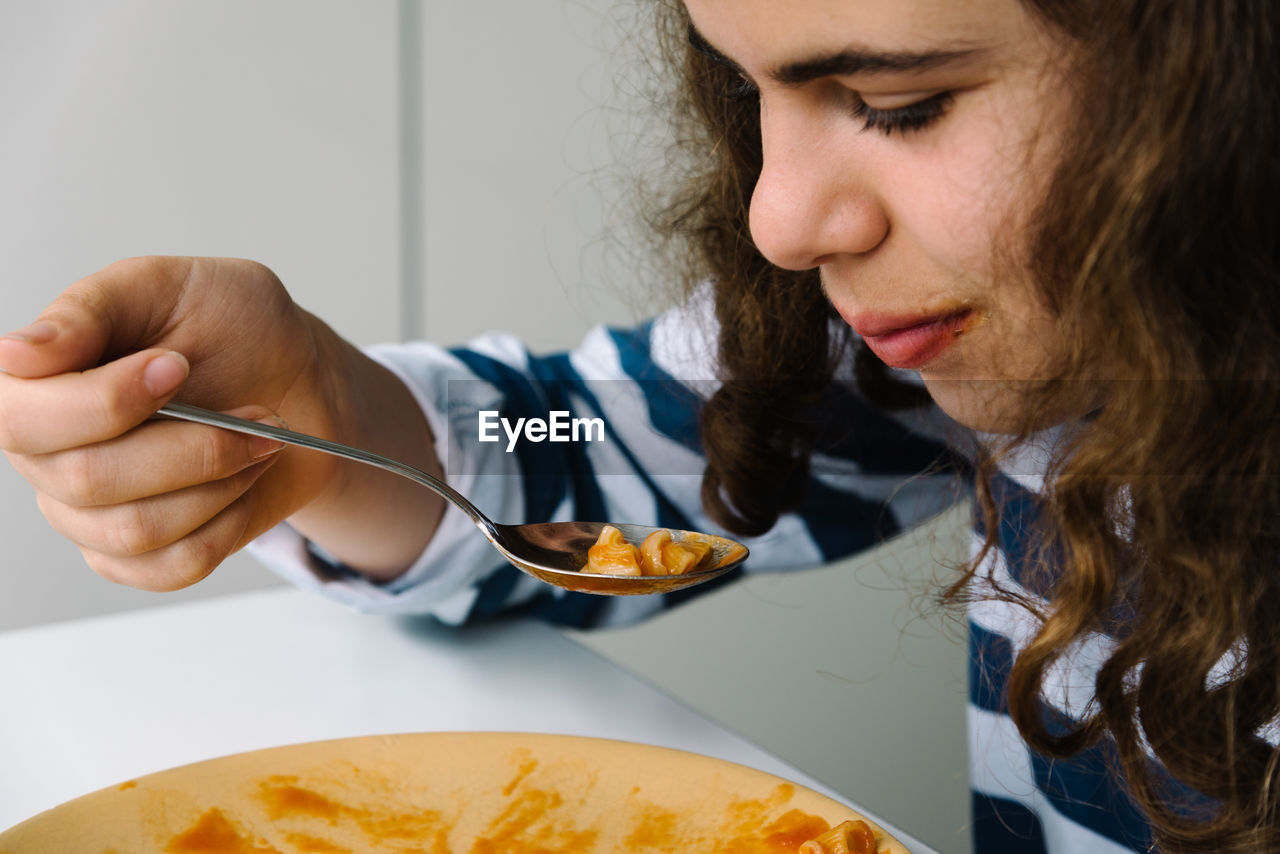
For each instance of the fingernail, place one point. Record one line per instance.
(164, 373)
(263, 446)
(40, 332)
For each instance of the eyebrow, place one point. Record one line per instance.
(840, 63)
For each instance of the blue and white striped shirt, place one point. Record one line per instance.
(874, 475)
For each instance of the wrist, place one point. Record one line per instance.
(373, 521)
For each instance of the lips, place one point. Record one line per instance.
(910, 342)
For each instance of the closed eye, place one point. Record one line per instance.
(909, 118)
(906, 119)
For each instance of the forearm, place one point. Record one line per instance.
(373, 521)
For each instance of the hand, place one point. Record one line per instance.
(158, 504)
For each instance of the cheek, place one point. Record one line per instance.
(951, 223)
(970, 211)
(997, 160)
(962, 200)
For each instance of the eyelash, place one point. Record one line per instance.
(903, 120)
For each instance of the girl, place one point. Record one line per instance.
(1053, 222)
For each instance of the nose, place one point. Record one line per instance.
(812, 200)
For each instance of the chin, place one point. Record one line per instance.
(988, 405)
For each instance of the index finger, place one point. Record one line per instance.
(121, 308)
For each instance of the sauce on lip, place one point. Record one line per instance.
(917, 345)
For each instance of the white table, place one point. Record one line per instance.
(93, 702)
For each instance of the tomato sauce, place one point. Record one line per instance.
(213, 833)
(306, 817)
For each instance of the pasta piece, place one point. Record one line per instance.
(612, 555)
(660, 555)
(731, 552)
(847, 837)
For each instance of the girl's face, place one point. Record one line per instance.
(905, 144)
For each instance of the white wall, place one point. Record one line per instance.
(519, 103)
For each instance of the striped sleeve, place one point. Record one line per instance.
(645, 386)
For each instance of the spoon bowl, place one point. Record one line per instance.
(553, 552)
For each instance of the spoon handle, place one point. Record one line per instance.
(187, 412)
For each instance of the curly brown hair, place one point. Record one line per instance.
(1156, 248)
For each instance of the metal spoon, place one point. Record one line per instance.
(554, 552)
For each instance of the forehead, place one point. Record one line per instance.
(753, 30)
